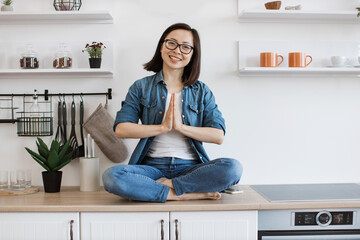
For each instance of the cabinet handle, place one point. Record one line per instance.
(162, 229)
(71, 230)
(176, 230)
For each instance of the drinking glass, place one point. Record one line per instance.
(4, 180)
(17, 180)
(28, 178)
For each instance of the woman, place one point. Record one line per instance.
(177, 114)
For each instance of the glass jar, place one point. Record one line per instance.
(29, 59)
(63, 57)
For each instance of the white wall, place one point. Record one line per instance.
(283, 130)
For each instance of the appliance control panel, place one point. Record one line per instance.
(323, 218)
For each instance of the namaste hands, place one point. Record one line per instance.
(173, 116)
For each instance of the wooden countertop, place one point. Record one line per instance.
(70, 199)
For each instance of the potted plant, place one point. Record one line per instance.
(7, 5)
(52, 160)
(95, 53)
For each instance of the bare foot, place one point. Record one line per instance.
(166, 182)
(193, 196)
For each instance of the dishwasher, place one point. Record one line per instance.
(311, 224)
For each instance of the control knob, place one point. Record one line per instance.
(323, 218)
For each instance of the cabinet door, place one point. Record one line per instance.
(125, 226)
(217, 225)
(39, 226)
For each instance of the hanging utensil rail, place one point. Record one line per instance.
(46, 96)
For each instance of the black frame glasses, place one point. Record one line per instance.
(184, 48)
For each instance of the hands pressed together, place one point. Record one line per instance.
(172, 118)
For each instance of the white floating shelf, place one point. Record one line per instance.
(299, 72)
(286, 16)
(45, 73)
(56, 17)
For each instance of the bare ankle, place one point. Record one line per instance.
(193, 196)
(166, 182)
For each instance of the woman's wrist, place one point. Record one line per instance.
(164, 128)
(180, 128)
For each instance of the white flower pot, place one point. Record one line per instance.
(6, 8)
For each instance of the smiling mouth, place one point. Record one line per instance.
(175, 58)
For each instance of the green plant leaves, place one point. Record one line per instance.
(55, 158)
(64, 149)
(39, 159)
(43, 151)
(55, 146)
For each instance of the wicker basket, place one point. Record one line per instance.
(273, 5)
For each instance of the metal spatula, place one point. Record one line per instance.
(73, 140)
(81, 148)
(59, 136)
(64, 115)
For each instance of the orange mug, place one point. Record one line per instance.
(298, 59)
(270, 59)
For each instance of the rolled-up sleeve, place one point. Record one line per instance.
(130, 108)
(212, 115)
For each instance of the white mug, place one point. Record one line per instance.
(338, 61)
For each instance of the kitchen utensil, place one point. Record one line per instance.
(73, 140)
(59, 136)
(81, 148)
(100, 126)
(88, 146)
(64, 115)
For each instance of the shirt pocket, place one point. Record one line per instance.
(196, 114)
(148, 103)
(148, 107)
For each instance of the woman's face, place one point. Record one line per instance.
(175, 59)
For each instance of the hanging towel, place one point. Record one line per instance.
(100, 127)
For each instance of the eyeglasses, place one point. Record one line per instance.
(172, 45)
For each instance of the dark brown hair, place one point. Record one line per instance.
(192, 70)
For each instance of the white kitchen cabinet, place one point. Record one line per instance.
(209, 225)
(125, 226)
(217, 225)
(39, 226)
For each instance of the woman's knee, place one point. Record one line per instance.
(112, 176)
(234, 169)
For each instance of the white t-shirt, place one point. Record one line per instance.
(173, 143)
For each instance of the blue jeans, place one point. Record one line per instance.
(138, 182)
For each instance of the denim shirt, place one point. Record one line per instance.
(146, 101)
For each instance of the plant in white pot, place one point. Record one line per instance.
(52, 160)
(7, 5)
(95, 51)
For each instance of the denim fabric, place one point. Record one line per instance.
(138, 182)
(146, 101)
